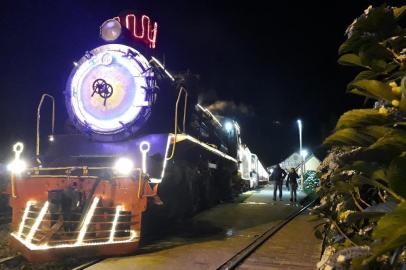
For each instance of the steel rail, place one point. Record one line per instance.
(239, 257)
(87, 264)
(6, 260)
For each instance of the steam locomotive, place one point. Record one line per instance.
(140, 141)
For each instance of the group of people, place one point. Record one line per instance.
(278, 175)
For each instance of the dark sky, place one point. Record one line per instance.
(279, 61)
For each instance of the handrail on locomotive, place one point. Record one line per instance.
(51, 136)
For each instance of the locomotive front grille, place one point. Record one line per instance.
(40, 229)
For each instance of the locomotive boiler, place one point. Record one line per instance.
(139, 141)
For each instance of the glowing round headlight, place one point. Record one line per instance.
(110, 30)
(229, 126)
(123, 166)
(17, 166)
(108, 92)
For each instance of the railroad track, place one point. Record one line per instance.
(243, 254)
(87, 264)
(7, 261)
(232, 263)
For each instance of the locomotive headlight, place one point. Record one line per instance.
(124, 166)
(17, 166)
(228, 126)
(110, 30)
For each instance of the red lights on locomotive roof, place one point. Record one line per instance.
(141, 28)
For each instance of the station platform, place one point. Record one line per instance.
(214, 236)
(293, 247)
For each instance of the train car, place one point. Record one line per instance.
(139, 140)
(251, 168)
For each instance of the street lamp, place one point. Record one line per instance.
(304, 153)
(299, 124)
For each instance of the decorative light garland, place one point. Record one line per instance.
(37, 222)
(79, 243)
(114, 225)
(24, 218)
(149, 30)
(87, 220)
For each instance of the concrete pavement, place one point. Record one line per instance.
(212, 237)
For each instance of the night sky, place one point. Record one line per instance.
(276, 63)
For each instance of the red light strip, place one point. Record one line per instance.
(148, 31)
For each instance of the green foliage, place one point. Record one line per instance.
(373, 88)
(362, 117)
(363, 179)
(349, 137)
(390, 230)
(396, 175)
(351, 59)
(311, 181)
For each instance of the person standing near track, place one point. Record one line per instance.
(278, 175)
(292, 179)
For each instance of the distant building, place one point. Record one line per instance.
(294, 161)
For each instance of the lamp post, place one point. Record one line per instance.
(299, 123)
(304, 154)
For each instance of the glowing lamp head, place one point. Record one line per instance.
(304, 153)
(110, 30)
(124, 166)
(228, 126)
(51, 138)
(299, 123)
